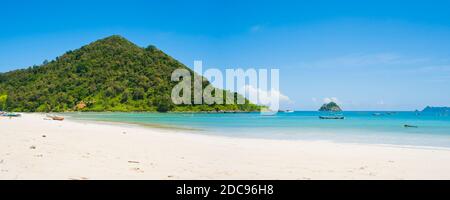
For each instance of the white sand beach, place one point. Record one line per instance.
(33, 148)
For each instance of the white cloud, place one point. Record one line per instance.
(266, 96)
(435, 68)
(361, 60)
(331, 99)
(255, 28)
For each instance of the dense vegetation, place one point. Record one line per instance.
(111, 74)
(330, 107)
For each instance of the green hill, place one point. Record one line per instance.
(111, 74)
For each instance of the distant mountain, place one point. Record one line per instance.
(111, 74)
(437, 109)
(330, 107)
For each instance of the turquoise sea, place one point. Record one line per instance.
(432, 129)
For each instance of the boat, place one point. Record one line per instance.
(11, 115)
(289, 111)
(54, 117)
(331, 117)
(410, 126)
(58, 118)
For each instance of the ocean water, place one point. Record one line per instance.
(433, 130)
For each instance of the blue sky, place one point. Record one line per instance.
(367, 55)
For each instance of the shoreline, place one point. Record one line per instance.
(78, 149)
(203, 132)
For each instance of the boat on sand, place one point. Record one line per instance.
(10, 114)
(54, 117)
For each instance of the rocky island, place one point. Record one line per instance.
(330, 107)
(437, 109)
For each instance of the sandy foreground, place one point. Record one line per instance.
(34, 148)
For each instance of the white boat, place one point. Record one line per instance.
(289, 111)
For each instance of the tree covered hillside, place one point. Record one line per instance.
(111, 74)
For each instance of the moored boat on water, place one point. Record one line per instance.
(331, 117)
(410, 126)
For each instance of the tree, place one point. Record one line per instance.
(138, 94)
(3, 99)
